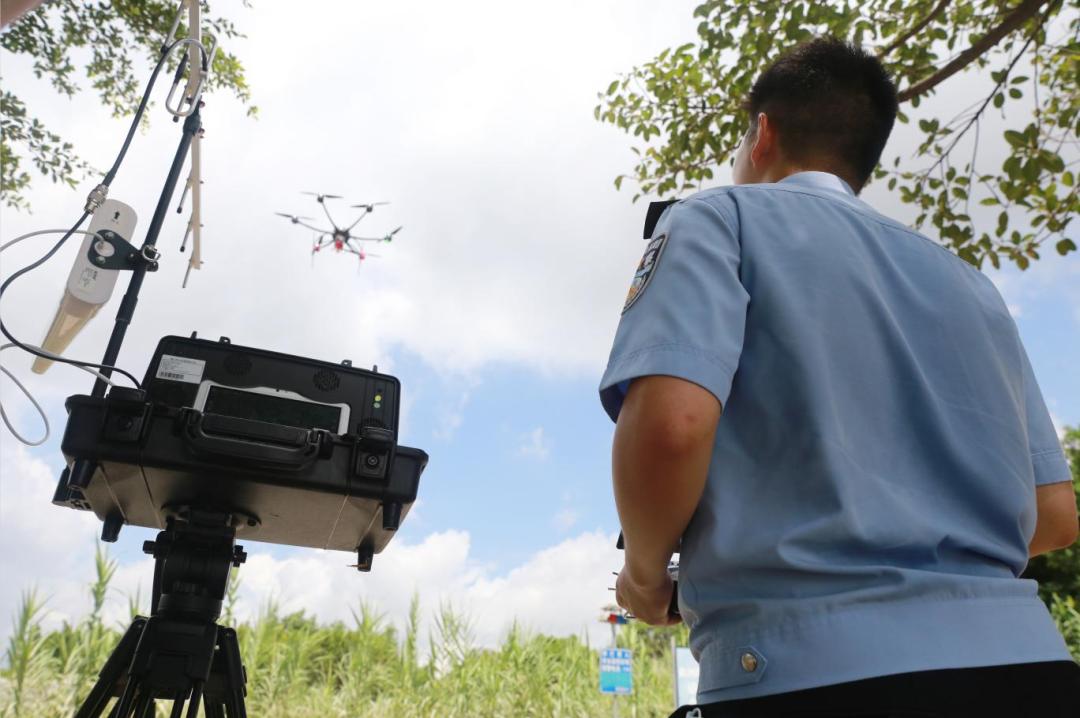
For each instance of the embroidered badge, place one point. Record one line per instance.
(645, 270)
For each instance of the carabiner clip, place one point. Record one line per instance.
(192, 100)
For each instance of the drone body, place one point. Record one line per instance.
(339, 238)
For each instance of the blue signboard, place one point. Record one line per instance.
(616, 671)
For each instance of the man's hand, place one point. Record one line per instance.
(647, 600)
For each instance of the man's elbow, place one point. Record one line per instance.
(1068, 532)
(668, 417)
(679, 433)
(1055, 535)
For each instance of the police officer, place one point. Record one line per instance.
(837, 419)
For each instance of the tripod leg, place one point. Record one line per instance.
(145, 706)
(127, 698)
(113, 672)
(233, 668)
(213, 710)
(196, 698)
(177, 709)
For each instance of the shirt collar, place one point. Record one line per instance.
(819, 180)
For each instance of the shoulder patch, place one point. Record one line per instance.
(645, 270)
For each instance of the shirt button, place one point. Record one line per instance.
(749, 662)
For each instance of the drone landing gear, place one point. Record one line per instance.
(179, 653)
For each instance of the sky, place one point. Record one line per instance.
(495, 306)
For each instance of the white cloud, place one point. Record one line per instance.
(45, 547)
(515, 248)
(565, 519)
(534, 445)
(558, 590)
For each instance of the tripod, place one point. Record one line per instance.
(179, 653)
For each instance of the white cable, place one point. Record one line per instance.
(26, 392)
(40, 411)
(28, 235)
(22, 388)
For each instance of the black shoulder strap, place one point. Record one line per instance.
(652, 216)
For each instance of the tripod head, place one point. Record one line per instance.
(192, 560)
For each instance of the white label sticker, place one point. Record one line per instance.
(176, 368)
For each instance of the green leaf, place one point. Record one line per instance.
(1065, 246)
(613, 87)
(999, 100)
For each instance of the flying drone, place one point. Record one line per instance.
(340, 239)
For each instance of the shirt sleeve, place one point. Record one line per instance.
(689, 314)
(1047, 456)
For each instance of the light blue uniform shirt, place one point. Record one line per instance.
(871, 494)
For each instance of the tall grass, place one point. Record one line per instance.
(298, 668)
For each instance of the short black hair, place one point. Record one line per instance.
(831, 102)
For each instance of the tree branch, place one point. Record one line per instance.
(975, 118)
(1023, 12)
(942, 4)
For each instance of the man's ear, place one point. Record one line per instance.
(764, 150)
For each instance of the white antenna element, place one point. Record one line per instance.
(89, 286)
(195, 84)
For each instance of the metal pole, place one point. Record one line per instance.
(131, 297)
(614, 696)
(675, 671)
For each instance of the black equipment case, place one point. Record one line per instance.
(300, 452)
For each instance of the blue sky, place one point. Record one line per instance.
(495, 306)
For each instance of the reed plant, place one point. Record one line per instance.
(300, 668)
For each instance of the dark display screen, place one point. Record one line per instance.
(272, 409)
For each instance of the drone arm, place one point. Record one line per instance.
(327, 213)
(364, 214)
(313, 228)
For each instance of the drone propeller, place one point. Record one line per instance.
(390, 236)
(370, 206)
(320, 197)
(291, 217)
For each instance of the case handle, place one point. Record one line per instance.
(254, 442)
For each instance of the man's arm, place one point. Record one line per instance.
(660, 460)
(1056, 526)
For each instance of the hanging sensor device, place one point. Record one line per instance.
(93, 276)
